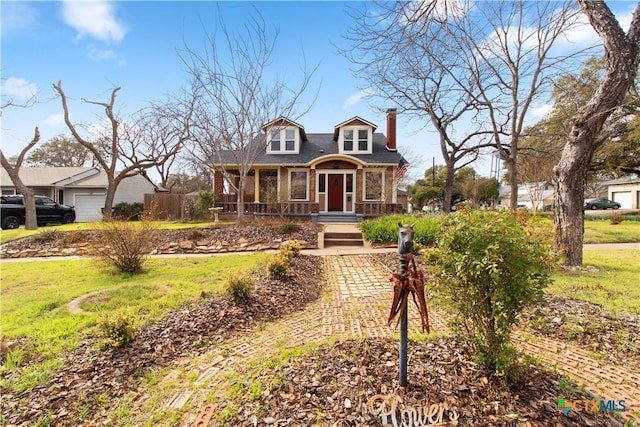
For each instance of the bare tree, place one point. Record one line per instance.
(124, 150)
(30, 218)
(622, 55)
(236, 97)
(468, 65)
(402, 58)
(160, 133)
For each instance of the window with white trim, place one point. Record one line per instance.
(356, 139)
(348, 140)
(283, 140)
(275, 140)
(363, 139)
(373, 185)
(298, 185)
(290, 140)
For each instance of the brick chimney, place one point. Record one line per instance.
(391, 129)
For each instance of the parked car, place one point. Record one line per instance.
(12, 212)
(594, 204)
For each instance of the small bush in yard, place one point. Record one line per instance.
(117, 329)
(288, 228)
(46, 236)
(278, 267)
(238, 286)
(290, 249)
(124, 244)
(487, 268)
(615, 218)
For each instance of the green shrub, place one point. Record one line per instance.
(384, 230)
(238, 286)
(278, 267)
(487, 268)
(128, 211)
(290, 249)
(117, 329)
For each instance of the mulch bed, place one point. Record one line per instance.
(615, 339)
(334, 386)
(353, 383)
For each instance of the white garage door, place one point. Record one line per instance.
(622, 197)
(89, 207)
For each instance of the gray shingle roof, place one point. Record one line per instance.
(319, 145)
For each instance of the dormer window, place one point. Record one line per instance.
(275, 140)
(348, 140)
(363, 139)
(290, 140)
(283, 140)
(357, 140)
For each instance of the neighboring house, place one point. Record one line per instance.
(536, 196)
(82, 187)
(350, 173)
(625, 191)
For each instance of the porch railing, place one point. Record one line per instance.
(285, 208)
(367, 209)
(378, 208)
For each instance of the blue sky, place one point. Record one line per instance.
(94, 46)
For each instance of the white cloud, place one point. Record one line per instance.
(94, 19)
(354, 99)
(18, 89)
(54, 119)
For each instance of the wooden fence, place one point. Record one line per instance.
(164, 206)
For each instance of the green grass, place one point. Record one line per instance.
(8, 235)
(35, 297)
(609, 278)
(602, 231)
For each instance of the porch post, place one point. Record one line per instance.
(256, 186)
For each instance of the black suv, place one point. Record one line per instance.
(47, 210)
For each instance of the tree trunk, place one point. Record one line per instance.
(621, 54)
(513, 182)
(30, 216)
(107, 210)
(240, 199)
(571, 175)
(448, 187)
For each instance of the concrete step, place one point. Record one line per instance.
(336, 238)
(343, 235)
(333, 218)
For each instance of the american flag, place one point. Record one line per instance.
(402, 168)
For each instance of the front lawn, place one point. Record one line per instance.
(610, 278)
(602, 231)
(35, 296)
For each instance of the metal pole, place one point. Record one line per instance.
(403, 334)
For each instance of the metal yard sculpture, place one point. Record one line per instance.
(409, 281)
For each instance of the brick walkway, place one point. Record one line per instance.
(356, 305)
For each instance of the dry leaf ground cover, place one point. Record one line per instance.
(328, 383)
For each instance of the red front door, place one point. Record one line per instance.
(336, 192)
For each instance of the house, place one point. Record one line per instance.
(82, 187)
(348, 174)
(625, 191)
(536, 196)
